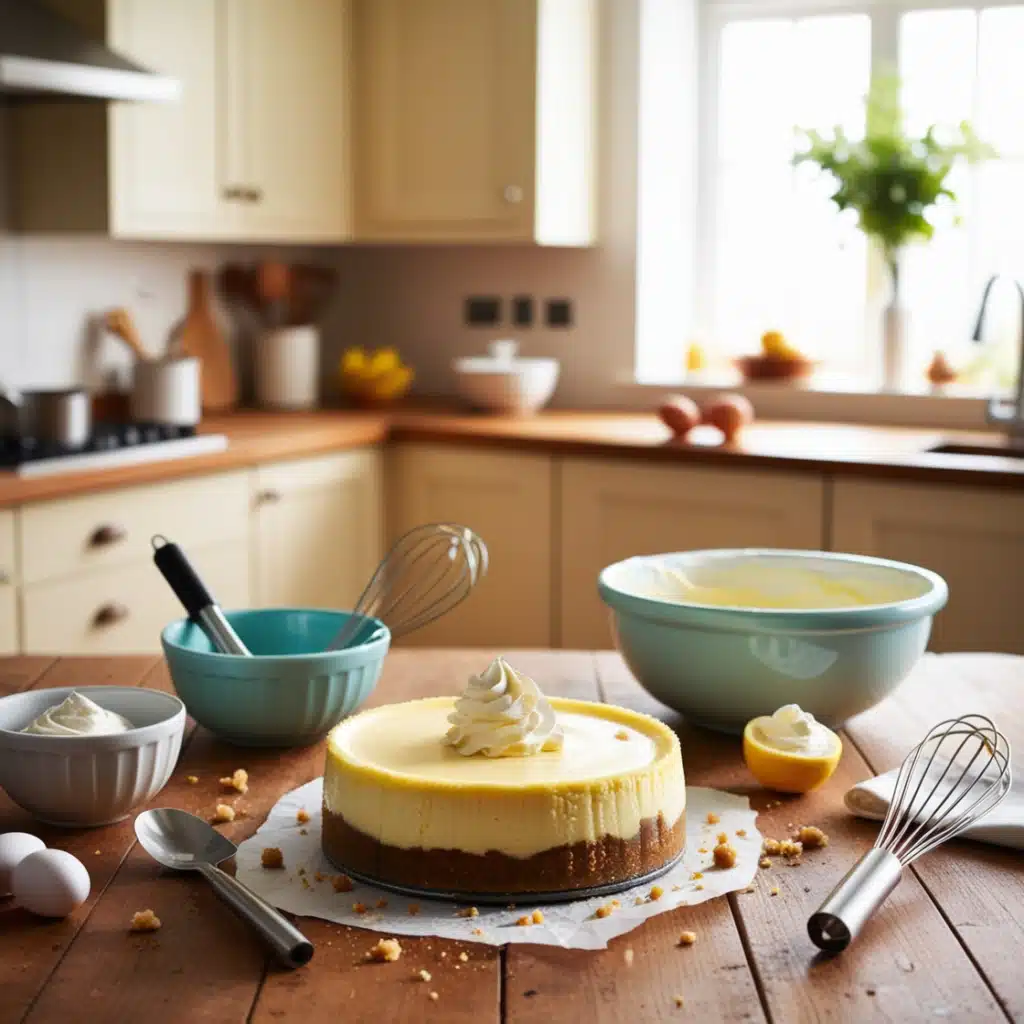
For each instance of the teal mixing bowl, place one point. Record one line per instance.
(723, 664)
(291, 692)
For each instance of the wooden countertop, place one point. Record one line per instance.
(948, 943)
(841, 449)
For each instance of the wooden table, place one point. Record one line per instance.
(949, 942)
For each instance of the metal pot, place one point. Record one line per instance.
(62, 418)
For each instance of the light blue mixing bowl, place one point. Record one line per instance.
(291, 692)
(721, 666)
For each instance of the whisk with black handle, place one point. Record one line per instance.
(427, 572)
(958, 773)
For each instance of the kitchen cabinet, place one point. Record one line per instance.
(255, 149)
(972, 537)
(318, 529)
(474, 120)
(611, 510)
(507, 499)
(9, 639)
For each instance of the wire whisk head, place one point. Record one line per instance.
(955, 775)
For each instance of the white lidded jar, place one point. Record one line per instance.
(502, 382)
(287, 367)
(166, 391)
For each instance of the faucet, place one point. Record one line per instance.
(1009, 415)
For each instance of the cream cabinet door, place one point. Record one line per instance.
(318, 530)
(445, 119)
(165, 158)
(612, 510)
(972, 537)
(286, 110)
(9, 640)
(507, 499)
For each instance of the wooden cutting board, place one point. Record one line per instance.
(200, 336)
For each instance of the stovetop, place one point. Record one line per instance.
(106, 437)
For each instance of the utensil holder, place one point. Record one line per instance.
(287, 368)
(166, 391)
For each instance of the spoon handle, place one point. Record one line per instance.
(289, 944)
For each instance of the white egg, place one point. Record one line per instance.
(50, 883)
(15, 847)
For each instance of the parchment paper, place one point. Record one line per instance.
(570, 925)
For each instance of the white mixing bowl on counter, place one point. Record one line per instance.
(502, 382)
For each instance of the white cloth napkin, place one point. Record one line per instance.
(1003, 826)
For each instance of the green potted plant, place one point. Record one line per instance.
(895, 183)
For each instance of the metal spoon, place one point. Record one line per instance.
(183, 842)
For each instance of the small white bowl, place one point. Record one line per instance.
(501, 382)
(84, 781)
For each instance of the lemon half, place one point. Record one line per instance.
(787, 771)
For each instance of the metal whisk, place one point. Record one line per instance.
(427, 572)
(959, 772)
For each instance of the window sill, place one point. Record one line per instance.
(831, 399)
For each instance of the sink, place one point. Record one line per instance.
(999, 451)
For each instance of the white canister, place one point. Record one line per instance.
(287, 369)
(167, 391)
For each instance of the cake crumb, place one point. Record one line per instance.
(144, 921)
(712, 818)
(538, 916)
(423, 975)
(628, 956)
(359, 908)
(741, 832)
(605, 910)
(238, 780)
(696, 876)
(413, 909)
(434, 996)
(223, 813)
(790, 848)
(622, 735)
(478, 931)
(271, 858)
(386, 951)
(525, 921)
(301, 871)
(774, 891)
(679, 1001)
(305, 882)
(303, 831)
(811, 837)
(468, 912)
(657, 892)
(191, 779)
(771, 847)
(381, 903)
(464, 957)
(341, 883)
(722, 837)
(302, 815)
(764, 862)
(687, 938)
(639, 901)
(702, 849)
(725, 856)
(319, 876)
(616, 903)
(443, 954)
(699, 886)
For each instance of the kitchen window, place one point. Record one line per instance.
(770, 250)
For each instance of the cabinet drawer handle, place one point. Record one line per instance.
(513, 194)
(233, 192)
(110, 614)
(5, 577)
(107, 534)
(252, 194)
(268, 497)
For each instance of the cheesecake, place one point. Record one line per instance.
(502, 791)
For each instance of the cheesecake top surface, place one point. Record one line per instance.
(405, 743)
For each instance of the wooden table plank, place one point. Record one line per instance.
(907, 963)
(17, 674)
(31, 948)
(979, 887)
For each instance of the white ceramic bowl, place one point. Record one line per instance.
(89, 780)
(502, 382)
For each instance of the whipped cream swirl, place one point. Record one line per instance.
(76, 715)
(791, 728)
(502, 713)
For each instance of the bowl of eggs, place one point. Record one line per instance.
(90, 757)
(725, 636)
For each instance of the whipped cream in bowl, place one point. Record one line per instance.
(502, 713)
(77, 715)
(796, 731)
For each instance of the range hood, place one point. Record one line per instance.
(44, 55)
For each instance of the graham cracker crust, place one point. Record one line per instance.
(578, 866)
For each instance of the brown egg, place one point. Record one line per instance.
(680, 414)
(730, 413)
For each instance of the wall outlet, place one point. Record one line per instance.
(558, 313)
(522, 311)
(482, 311)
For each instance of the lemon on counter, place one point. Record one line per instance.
(790, 751)
(775, 346)
(374, 378)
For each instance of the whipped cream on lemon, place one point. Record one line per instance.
(795, 730)
(502, 713)
(76, 715)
